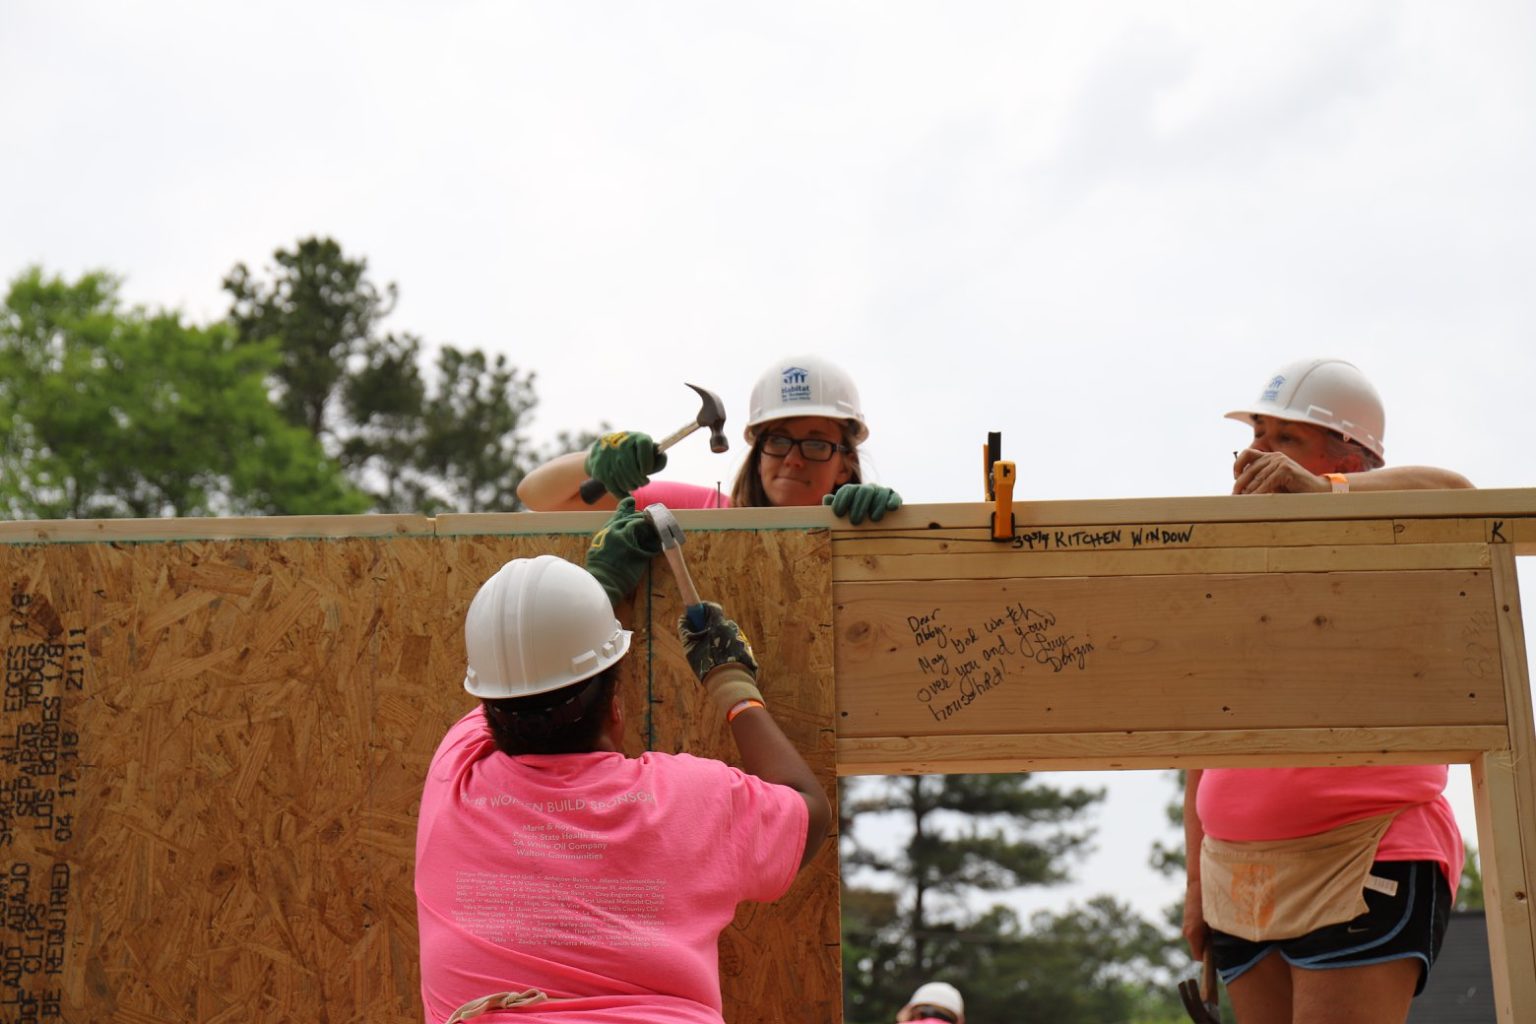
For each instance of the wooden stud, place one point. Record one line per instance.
(1265, 651)
(1091, 538)
(1093, 751)
(1506, 885)
(994, 564)
(1505, 789)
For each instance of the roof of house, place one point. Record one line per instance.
(1460, 988)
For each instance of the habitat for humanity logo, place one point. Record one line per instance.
(1272, 393)
(795, 385)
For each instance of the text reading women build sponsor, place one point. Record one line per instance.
(538, 906)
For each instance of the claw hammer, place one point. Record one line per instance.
(671, 536)
(1202, 1002)
(711, 416)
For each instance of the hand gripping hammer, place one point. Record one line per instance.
(671, 536)
(711, 416)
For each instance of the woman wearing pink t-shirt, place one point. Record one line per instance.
(805, 427)
(558, 878)
(1317, 427)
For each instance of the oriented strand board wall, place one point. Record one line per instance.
(211, 755)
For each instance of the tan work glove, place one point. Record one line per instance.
(721, 657)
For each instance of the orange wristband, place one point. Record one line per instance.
(1339, 480)
(750, 702)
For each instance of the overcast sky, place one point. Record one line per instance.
(1093, 227)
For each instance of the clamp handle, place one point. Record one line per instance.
(1002, 488)
(990, 453)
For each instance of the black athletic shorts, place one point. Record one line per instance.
(1410, 923)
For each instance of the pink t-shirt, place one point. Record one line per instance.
(601, 879)
(679, 495)
(1250, 804)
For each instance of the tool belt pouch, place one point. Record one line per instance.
(1283, 888)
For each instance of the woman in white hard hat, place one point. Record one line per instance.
(1317, 426)
(1320, 893)
(937, 1002)
(805, 426)
(553, 873)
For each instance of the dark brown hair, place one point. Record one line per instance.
(568, 720)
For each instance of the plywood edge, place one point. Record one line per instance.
(1512, 510)
(80, 531)
(482, 524)
(923, 755)
(704, 520)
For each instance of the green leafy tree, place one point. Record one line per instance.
(451, 440)
(123, 412)
(1469, 894)
(973, 834)
(1098, 961)
(1169, 859)
(324, 312)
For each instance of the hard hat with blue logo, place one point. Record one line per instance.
(805, 386)
(1328, 393)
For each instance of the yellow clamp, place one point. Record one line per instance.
(1002, 488)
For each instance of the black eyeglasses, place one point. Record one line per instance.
(812, 449)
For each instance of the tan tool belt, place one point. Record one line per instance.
(499, 1001)
(1283, 888)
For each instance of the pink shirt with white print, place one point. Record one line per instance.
(603, 880)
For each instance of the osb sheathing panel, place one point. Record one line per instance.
(780, 961)
(213, 754)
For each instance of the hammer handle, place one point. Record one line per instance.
(684, 578)
(591, 489)
(676, 436)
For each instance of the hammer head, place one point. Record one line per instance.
(712, 417)
(665, 522)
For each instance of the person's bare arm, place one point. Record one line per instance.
(1408, 478)
(767, 753)
(1196, 932)
(722, 660)
(1259, 472)
(555, 487)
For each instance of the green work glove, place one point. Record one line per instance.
(719, 642)
(862, 501)
(623, 461)
(622, 550)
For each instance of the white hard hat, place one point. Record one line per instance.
(537, 625)
(805, 386)
(941, 994)
(1327, 392)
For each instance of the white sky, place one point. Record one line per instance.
(1093, 227)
